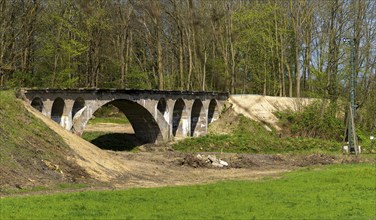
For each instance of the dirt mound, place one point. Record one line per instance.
(30, 153)
(262, 108)
(96, 162)
(227, 123)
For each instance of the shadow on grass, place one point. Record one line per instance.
(116, 141)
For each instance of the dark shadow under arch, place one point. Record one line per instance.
(163, 109)
(57, 110)
(146, 129)
(37, 103)
(212, 111)
(179, 114)
(197, 115)
(162, 106)
(78, 104)
(116, 142)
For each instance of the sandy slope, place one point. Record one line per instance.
(262, 108)
(97, 163)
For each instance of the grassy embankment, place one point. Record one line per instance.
(248, 136)
(32, 156)
(303, 132)
(333, 192)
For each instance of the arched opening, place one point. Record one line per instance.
(197, 119)
(122, 125)
(213, 113)
(37, 103)
(179, 119)
(78, 105)
(162, 108)
(57, 110)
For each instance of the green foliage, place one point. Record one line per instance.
(250, 137)
(333, 192)
(137, 79)
(109, 114)
(318, 120)
(318, 81)
(20, 79)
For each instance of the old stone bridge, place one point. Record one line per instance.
(156, 116)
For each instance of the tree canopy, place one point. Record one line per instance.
(270, 47)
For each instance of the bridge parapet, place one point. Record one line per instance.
(156, 116)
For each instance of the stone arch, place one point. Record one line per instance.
(145, 127)
(179, 119)
(213, 113)
(163, 109)
(78, 105)
(58, 110)
(37, 103)
(198, 122)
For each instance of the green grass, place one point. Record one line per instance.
(23, 136)
(25, 144)
(333, 192)
(115, 120)
(250, 137)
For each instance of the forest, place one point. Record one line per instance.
(292, 48)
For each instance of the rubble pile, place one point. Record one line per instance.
(201, 160)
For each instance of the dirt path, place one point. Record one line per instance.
(110, 128)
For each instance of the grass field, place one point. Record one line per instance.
(332, 192)
(114, 120)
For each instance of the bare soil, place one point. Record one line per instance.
(156, 166)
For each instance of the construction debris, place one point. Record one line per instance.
(213, 160)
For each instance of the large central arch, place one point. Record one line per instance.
(144, 125)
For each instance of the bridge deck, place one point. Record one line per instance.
(126, 91)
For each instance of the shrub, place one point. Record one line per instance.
(317, 120)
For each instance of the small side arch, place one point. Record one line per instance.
(163, 109)
(180, 119)
(37, 103)
(198, 119)
(78, 105)
(57, 111)
(213, 113)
